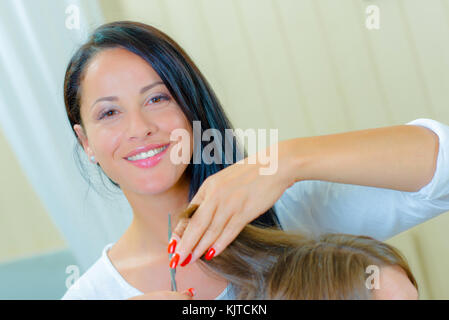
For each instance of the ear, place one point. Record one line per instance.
(82, 137)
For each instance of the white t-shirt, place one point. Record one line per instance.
(317, 207)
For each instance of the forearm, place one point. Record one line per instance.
(397, 157)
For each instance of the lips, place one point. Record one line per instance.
(145, 149)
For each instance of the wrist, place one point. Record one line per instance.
(290, 161)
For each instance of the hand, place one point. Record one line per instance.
(166, 295)
(226, 202)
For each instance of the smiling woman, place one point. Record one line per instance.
(125, 91)
(97, 74)
(137, 121)
(365, 175)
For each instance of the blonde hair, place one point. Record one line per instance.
(268, 263)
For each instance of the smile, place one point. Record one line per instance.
(148, 154)
(148, 159)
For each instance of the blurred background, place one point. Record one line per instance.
(306, 67)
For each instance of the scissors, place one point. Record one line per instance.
(186, 213)
(172, 271)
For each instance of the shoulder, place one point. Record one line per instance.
(84, 287)
(99, 282)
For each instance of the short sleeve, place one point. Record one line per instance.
(317, 207)
(438, 188)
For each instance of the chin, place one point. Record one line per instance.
(157, 182)
(154, 185)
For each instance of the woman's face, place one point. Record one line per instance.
(114, 127)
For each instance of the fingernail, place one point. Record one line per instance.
(210, 254)
(187, 260)
(174, 261)
(172, 246)
(191, 291)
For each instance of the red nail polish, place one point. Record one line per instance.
(174, 261)
(187, 260)
(192, 291)
(210, 254)
(172, 246)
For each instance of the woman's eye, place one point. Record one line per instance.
(156, 99)
(105, 114)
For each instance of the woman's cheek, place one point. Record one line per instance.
(110, 139)
(173, 119)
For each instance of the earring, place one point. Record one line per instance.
(92, 159)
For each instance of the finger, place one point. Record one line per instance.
(164, 295)
(187, 213)
(221, 218)
(190, 292)
(180, 227)
(195, 229)
(184, 295)
(197, 199)
(176, 235)
(181, 295)
(230, 232)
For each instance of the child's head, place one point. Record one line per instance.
(265, 263)
(341, 266)
(395, 284)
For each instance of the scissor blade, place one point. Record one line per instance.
(172, 271)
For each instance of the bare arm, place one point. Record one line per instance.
(399, 157)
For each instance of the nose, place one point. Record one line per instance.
(139, 125)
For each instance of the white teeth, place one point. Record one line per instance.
(147, 154)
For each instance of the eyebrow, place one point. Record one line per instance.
(114, 98)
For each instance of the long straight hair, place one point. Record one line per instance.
(263, 262)
(182, 78)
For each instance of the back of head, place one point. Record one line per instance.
(334, 266)
(267, 264)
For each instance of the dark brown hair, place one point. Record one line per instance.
(263, 262)
(182, 78)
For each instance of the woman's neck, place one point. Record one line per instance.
(148, 231)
